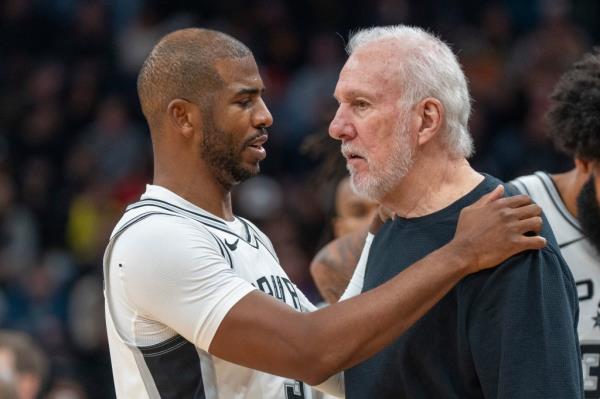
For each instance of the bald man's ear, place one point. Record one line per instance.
(183, 116)
(430, 113)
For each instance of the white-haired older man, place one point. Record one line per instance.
(508, 332)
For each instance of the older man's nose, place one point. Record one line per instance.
(340, 127)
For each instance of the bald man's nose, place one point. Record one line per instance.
(263, 117)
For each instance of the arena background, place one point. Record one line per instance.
(74, 148)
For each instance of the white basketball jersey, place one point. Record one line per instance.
(584, 262)
(172, 272)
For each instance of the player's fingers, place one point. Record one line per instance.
(515, 201)
(525, 243)
(527, 211)
(530, 225)
(492, 196)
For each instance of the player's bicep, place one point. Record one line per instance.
(261, 333)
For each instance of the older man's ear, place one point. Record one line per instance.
(430, 117)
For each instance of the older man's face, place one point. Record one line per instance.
(371, 123)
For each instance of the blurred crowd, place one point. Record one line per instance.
(74, 148)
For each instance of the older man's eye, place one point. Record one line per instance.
(361, 105)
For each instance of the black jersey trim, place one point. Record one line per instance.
(254, 238)
(224, 251)
(153, 203)
(139, 218)
(246, 226)
(257, 236)
(195, 216)
(523, 188)
(566, 244)
(175, 368)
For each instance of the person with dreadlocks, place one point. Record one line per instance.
(571, 201)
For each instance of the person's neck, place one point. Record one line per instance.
(431, 186)
(568, 185)
(196, 184)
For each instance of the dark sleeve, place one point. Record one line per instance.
(522, 330)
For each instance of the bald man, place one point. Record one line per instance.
(197, 305)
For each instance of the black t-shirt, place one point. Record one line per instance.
(507, 332)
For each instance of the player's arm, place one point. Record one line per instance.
(261, 333)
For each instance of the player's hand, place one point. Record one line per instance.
(383, 215)
(495, 228)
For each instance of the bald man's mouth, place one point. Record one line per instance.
(255, 146)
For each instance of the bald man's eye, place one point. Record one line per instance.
(244, 103)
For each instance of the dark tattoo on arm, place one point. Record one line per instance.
(334, 264)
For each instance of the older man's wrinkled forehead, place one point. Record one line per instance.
(375, 66)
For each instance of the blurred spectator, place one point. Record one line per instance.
(91, 216)
(37, 300)
(114, 141)
(24, 362)
(86, 314)
(136, 40)
(311, 88)
(19, 241)
(8, 389)
(66, 389)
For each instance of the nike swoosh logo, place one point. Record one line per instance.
(233, 245)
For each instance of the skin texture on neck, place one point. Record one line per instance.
(434, 181)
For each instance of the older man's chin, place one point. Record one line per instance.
(364, 187)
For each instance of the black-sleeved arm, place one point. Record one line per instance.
(522, 330)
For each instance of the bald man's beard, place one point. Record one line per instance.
(385, 174)
(588, 212)
(224, 156)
